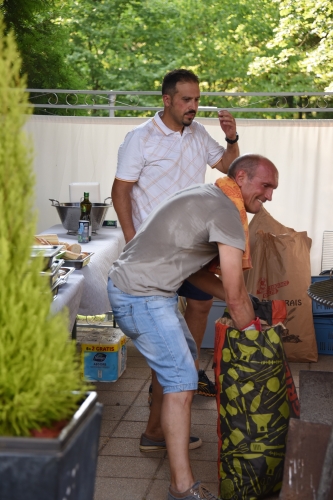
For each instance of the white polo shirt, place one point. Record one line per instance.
(161, 161)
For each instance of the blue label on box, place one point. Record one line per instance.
(104, 361)
(101, 366)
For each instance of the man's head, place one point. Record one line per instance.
(181, 95)
(177, 75)
(257, 177)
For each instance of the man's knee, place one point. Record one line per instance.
(199, 307)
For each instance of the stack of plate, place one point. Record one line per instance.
(53, 269)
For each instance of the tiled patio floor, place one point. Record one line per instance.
(123, 472)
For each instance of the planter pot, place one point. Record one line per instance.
(62, 468)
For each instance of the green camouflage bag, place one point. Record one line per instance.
(256, 397)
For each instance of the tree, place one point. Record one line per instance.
(240, 46)
(300, 55)
(43, 39)
(130, 45)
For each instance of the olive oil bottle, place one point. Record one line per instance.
(85, 206)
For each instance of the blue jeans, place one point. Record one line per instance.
(160, 333)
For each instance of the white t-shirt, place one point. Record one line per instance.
(161, 161)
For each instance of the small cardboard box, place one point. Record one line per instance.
(104, 360)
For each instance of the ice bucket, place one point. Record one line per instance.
(69, 214)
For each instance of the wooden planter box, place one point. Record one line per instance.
(54, 469)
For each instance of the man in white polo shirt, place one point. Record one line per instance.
(163, 155)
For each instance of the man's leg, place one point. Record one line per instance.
(171, 421)
(196, 317)
(160, 333)
(154, 429)
(176, 423)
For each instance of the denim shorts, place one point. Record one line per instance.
(160, 333)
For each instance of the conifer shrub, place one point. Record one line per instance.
(40, 380)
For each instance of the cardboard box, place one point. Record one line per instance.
(104, 359)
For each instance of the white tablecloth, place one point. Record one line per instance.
(69, 295)
(107, 245)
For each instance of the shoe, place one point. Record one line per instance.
(150, 394)
(147, 444)
(205, 386)
(196, 492)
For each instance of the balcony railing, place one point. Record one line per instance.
(146, 103)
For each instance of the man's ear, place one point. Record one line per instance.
(166, 100)
(240, 177)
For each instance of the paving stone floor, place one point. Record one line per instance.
(123, 472)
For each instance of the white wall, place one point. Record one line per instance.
(76, 149)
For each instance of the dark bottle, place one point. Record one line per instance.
(86, 211)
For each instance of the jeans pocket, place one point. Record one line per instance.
(124, 318)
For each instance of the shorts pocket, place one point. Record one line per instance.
(124, 318)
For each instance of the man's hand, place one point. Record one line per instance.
(122, 203)
(227, 123)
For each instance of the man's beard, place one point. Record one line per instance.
(188, 124)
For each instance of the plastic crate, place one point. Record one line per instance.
(317, 307)
(324, 333)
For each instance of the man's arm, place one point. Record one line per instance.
(121, 199)
(207, 282)
(232, 289)
(236, 295)
(228, 125)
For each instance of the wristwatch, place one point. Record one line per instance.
(232, 141)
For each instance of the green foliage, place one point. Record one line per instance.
(300, 54)
(239, 46)
(43, 39)
(38, 366)
(130, 45)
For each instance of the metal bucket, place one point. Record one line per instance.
(69, 214)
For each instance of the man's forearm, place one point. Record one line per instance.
(230, 154)
(228, 126)
(207, 282)
(236, 296)
(122, 204)
(241, 310)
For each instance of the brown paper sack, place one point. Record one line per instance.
(281, 270)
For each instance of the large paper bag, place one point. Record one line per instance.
(281, 270)
(263, 221)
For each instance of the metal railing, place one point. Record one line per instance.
(137, 103)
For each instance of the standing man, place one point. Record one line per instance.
(163, 155)
(178, 241)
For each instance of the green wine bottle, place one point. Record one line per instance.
(85, 206)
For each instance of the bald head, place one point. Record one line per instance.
(249, 164)
(257, 178)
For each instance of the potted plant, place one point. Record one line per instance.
(49, 417)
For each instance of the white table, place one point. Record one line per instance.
(69, 295)
(106, 245)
